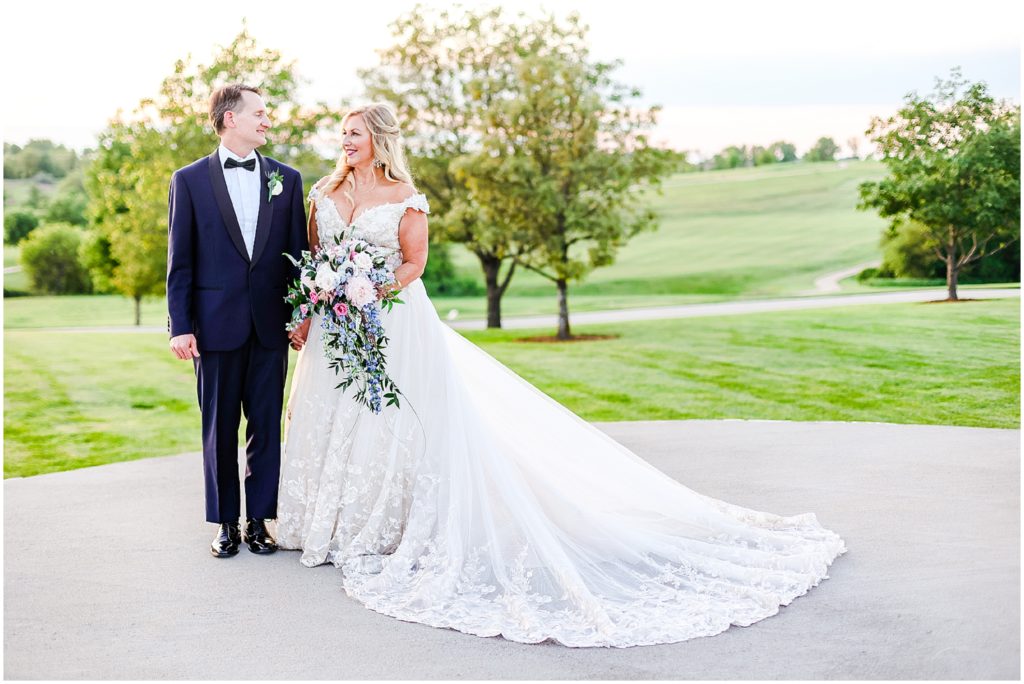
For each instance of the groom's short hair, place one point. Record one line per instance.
(225, 99)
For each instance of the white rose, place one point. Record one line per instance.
(360, 291)
(326, 278)
(363, 261)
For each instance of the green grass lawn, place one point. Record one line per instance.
(79, 399)
(11, 253)
(951, 364)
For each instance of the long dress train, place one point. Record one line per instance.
(485, 506)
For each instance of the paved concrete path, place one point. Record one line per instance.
(829, 282)
(663, 312)
(107, 573)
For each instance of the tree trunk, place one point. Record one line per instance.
(563, 310)
(138, 310)
(952, 267)
(952, 274)
(491, 266)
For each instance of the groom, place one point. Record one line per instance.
(232, 216)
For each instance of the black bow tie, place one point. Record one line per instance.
(248, 165)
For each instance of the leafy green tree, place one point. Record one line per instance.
(954, 168)
(94, 255)
(49, 256)
(731, 157)
(129, 176)
(823, 150)
(784, 151)
(38, 156)
(443, 73)
(36, 198)
(68, 208)
(18, 224)
(908, 251)
(565, 162)
(763, 155)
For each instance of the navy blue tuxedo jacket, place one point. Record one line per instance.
(214, 290)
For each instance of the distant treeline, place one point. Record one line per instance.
(39, 156)
(42, 156)
(736, 156)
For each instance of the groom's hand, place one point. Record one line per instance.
(184, 346)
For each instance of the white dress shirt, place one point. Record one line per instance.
(244, 189)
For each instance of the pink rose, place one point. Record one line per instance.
(360, 291)
(313, 296)
(341, 308)
(303, 309)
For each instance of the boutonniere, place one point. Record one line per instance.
(275, 184)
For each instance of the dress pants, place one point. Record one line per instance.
(247, 380)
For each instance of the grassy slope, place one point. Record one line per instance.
(760, 231)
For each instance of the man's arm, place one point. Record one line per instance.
(298, 241)
(180, 229)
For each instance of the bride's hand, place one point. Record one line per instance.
(298, 336)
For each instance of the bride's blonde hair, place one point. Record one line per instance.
(386, 137)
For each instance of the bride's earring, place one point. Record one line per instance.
(377, 163)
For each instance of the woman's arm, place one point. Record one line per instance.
(311, 230)
(413, 239)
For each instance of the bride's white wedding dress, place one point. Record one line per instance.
(485, 506)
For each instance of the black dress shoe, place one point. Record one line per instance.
(257, 537)
(226, 542)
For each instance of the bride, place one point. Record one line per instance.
(482, 504)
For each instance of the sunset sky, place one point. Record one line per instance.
(724, 72)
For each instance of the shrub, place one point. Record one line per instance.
(50, 259)
(17, 226)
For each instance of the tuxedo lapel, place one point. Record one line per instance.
(266, 210)
(227, 210)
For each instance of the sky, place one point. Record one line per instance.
(724, 72)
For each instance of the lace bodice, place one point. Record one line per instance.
(377, 225)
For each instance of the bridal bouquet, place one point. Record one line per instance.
(340, 283)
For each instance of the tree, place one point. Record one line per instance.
(762, 156)
(443, 74)
(731, 157)
(954, 168)
(565, 162)
(908, 251)
(824, 150)
(18, 224)
(38, 156)
(784, 151)
(50, 258)
(129, 176)
(854, 144)
(94, 255)
(67, 207)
